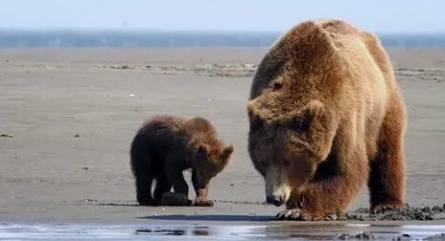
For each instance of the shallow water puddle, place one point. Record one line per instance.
(220, 232)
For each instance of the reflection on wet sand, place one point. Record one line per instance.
(274, 231)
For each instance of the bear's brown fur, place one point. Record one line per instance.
(326, 116)
(165, 146)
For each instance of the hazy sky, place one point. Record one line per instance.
(277, 15)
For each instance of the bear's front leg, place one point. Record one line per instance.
(201, 189)
(202, 199)
(330, 195)
(176, 179)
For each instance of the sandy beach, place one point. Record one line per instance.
(67, 117)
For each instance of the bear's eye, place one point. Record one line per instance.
(277, 85)
(286, 163)
(297, 124)
(201, 173)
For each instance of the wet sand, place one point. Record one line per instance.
(68, 116)
(222, 232)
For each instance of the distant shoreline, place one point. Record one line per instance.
(10, 38)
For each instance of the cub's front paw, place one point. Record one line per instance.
(295, 214)
(203, 202)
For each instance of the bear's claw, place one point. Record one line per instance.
(386, 207)
(292, 214)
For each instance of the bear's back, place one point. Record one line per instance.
(163, 132)
(371, 42)
(314, 47)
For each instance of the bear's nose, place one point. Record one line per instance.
(275, 200)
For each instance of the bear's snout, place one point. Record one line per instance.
(275, 200)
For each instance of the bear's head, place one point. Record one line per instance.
(287, 142)
(207, 162)
(209, 155)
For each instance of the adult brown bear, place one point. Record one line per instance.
(326, 115)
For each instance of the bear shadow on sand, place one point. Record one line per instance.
(210, 217)
(361, 214)
(425, 213)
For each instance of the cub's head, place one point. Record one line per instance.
(287, 144)
(207, 162)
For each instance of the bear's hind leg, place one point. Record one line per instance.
(143, 190)
(142, 169)
(174, 174)
(162, 185)
(387, 169)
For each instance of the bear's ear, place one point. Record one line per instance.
(315, 108)
(312, 111)
(310, 36)
(255, 121)
(226, 154)
(202, 149)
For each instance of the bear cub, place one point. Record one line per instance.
(167, 145)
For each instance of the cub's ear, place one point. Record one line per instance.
(226, 154)
(228, 150)
(202, 149)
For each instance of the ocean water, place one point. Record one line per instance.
(125, 39)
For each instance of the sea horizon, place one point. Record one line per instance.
(75, 38)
